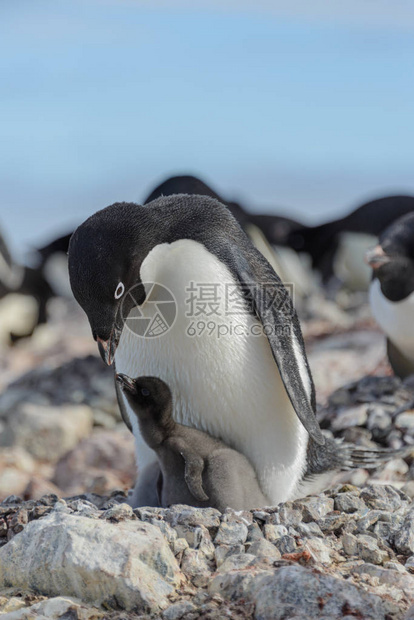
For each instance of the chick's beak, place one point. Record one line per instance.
(126, 383)
(376, 257)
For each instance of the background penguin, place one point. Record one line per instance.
(268, 233)
(392, 292)
(52, 262)
(196, 469)
(24, 293)
(338, 247)
(263, 381)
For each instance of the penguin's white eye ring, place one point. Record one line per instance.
(119, 291)
(145, 391)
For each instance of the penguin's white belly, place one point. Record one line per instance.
(226, 384)
(395, 318)
(56, 272)
(349, 264)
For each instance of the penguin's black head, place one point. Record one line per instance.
(105, 256)
(392, 260)
(149, 397)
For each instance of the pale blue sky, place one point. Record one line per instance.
(269, 101)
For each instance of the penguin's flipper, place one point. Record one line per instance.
(193, 471)
(269, 299)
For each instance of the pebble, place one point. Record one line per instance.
(368, 550)
(349, 503)
(274, 532)
(404, 538)
(231, 533)
(264, 549)
(286, 544)
(222, 552)
(314, 508)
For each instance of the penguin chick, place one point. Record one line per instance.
(196, 469)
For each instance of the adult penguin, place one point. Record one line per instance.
(338, 247)
(392, 292)
(236, 336)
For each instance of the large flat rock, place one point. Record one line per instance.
(128, 565)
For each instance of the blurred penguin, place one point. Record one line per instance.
(392, 292)
(337, 248)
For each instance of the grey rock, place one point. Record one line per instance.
(404, 538)
(274, 532)
(235, 585)
(191, 534)
(286, 544)
(47, 433)
(264, 549)
(408, 489)
(401, 580)
(254, 532)
(187, 515)
(240, 516)
(128, 564)
(378, 419)
(54, 608)
(384, 531)
(381, 497)
(194, 565)
(205, 543)
(178, 546)
(350, 544)
(119, 512)
(260, 515)
(222, 552)
(319, 551)
(290, 514)
(178, 610)
(409, 565)
(349, 503)
(355, 416)
(368, 550)
(293, 591)
(166, 529)
(237, 562)
(405, 420)
(231, 533)
(395, 565)
(367, 521)
(333, 522)
(309, 530)
(316, 507)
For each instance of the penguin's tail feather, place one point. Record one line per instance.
(354, 458)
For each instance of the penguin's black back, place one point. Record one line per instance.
(187, 184)
(61, 244)
(370, 218)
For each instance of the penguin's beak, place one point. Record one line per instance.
(376, 257)
(107, 348)
(126, 383)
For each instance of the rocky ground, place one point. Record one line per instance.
(348, 553)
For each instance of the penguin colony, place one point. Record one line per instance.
(225, 414)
